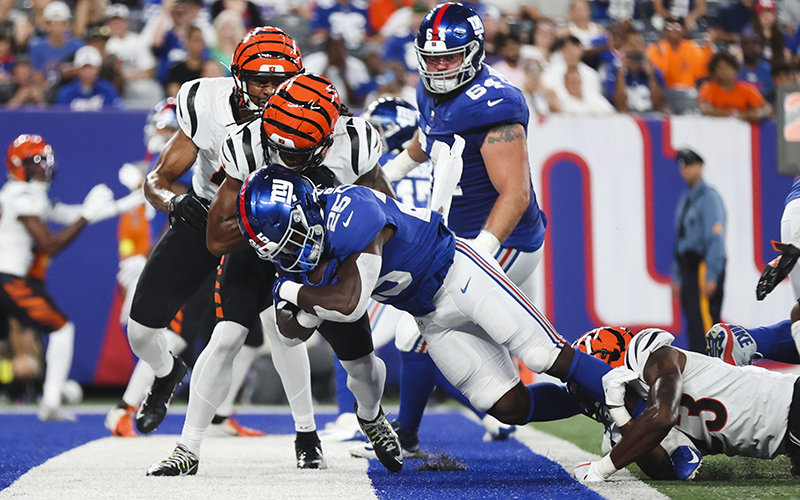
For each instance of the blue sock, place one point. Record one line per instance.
(450, 390)
(344, 398)
(587, 371)
(550, 402)
(775, 342)
(417, 380)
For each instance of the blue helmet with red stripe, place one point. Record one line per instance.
(280, 216)
(450, 29)
(396, 121)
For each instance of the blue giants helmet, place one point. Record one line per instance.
(396, 121)
(279, 216)
(450, 29)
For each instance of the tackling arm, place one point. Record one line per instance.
(222, 233)
(505, 154)
(175, 160)
(663, 375)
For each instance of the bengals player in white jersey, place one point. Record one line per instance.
(735, 410)
(180, 262)
(23, 233)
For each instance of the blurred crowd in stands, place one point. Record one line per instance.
(577, 57)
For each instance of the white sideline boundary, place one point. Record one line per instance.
(252, 468)
(622, 485)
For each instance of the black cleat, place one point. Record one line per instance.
(309, 453)
(182, 462)
(154, 408)
(384, 440)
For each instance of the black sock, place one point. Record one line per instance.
(122, 405)
(218, 420)
(307, 437)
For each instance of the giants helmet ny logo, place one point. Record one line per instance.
(282, 191)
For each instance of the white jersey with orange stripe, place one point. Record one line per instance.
(206, 115)
(736, 410)
(355, 150)
(19, 199)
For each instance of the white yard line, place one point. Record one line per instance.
(623, 485)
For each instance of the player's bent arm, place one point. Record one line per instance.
(289, 326)
(376, 179)
(505, 154)
(346, 300)
(222, 233)
(663, 375)
(49, 242)
(175, 160)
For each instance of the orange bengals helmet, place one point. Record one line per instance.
(265, 52)
(607, 343)
(298, 121)
(26, 153)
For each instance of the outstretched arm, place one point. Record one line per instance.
(663, 375)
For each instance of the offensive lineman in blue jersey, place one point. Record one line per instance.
(367, 244)
(472, 114)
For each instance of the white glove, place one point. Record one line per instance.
(614, 385)
(99, 204)
(447, 169)
(130, 176)
(129, 271)
(586, 472)
(486, 240)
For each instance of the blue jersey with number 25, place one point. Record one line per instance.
(415, 260)
(489, 101)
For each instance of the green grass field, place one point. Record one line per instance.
(719, 478)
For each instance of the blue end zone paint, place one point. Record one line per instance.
(503, 469)
(494, 470)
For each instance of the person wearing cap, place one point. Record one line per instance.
(682, 61)
(142, 91)
(772, 35)
(698, 271)
(724, 95)
(88, 92)
(48, 52)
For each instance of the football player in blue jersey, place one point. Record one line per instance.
(460, 97)
(349, 243)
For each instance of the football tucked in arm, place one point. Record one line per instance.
(289, 328)
(323, 274)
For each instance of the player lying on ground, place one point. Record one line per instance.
(746, 411)
(362, 243)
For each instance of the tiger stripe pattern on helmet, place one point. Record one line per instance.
(606, 343)
(302, 113)
(266, 51)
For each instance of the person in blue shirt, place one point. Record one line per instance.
(350, 243)
(347, 19)
(89, 92)
(47, 53)
(698, 271)
(731, 20)
(635, 84)
(755, 69)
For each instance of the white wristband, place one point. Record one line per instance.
(606, 467)
(398, 167)
(620, 415)
(288, 292)
(307, 320)
(488, 241)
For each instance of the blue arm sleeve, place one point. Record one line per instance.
(714, 229)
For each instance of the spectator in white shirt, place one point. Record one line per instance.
(511, 65)
(141, 91)
(347, 73)
(571, 52)
(576, 101)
